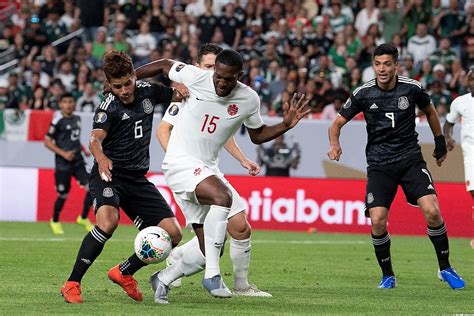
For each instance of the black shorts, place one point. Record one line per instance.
(138, 198)
(63, 178)
(383, 181)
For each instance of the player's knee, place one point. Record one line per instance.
(176, 236)
(433, 216)
(379, 223)
(223, 199)
(240, 231)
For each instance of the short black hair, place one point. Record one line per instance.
(231, 58)
(386, 49)
(208, 48)
(66, 95)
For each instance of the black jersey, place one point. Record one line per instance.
(129, 127)
(66, 132)
(390, 117)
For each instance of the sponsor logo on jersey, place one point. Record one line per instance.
(403, 103)
(108, 192)
(430, 187)
(179, 67)
(197, 171)
(125, 116)
(94, 204)
(100, 117)
(347, 104)
(173, 110)
(147, 106)
(373, 106)
(233, 109)
(370, 198)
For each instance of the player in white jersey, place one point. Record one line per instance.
(463, 106)
(217, 106)
(238, 226)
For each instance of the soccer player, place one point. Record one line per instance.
(463, 106)
(238, 226)
(63, 138)
(120, 141)
(217, 106)
(394, 157)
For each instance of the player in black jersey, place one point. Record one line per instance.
(394, 157)
(120, 142)
(63, 138)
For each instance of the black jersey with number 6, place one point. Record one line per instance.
(66, 132)
(390, 117)
(129, 127)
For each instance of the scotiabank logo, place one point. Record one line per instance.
(263, 206)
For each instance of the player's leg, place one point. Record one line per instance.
(63, 185)
(419, 188)
(82, 178)
(107, 219)
(213, 191)
(381, 190)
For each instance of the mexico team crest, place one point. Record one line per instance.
(147, 106)
(403, 103)
(233, 109)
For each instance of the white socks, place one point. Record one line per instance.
(178, 252)
(215, 226)
(191, 262)
(240, 256)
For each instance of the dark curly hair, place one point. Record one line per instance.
(117, 65)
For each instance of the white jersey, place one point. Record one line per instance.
(463, 106)
(207, 121)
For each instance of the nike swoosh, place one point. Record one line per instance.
(199, 99)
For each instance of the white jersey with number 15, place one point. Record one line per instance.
(206, 121)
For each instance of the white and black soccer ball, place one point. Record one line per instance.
(152, 245)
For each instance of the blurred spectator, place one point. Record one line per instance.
(421, 45)
(440, 96)
(439, 73)
(66, 75)
(34, 34)
(6, 38)
(331, 110)
(158, 19)
(7, 99)
(230, 26)
(374, 31)
(367, 16)
(54, 94)
(143, 44)
(39, 101)
(36, 68)
(134, 11)
(416, 12)
(89, 101)
(453, 24)
(68, 19)
(279, 158)
(92, 14)
(444, 54)
(53, 28)
(207, 23)
(392, 20)
(96, 49)
(425, 75)
(218, 39)
(408, 66)
(337, 19)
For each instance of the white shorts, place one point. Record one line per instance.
(182, 178)
(468, 155)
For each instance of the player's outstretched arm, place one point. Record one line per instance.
(440, 150)
(235, 151)
(163, 133)
(155, 68)
(293, 112)
(335, 150)
(95, 147)
(448, 133)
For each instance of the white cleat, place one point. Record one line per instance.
(216, 287)
(169, 262)
(252, 290)
(160, 289)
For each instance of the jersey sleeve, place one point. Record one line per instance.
(171, 114)
(254, 120)
(453, 114)
(53, 127)
(351, 108)
(422, 98)
(161, 94)
(185, 74)
(103, 117)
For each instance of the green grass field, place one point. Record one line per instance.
(306, 273)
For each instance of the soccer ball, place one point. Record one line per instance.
(152, 245)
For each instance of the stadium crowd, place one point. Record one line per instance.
(322, 48)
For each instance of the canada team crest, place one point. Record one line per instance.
(232, 109)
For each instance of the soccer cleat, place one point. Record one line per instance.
(452, 278)
(252, 290)
(169, 263)
(71, 291)
(159, 288)
(127, 282)
(388, 282)
(216, 286)
(85, 222)
(56, 227)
